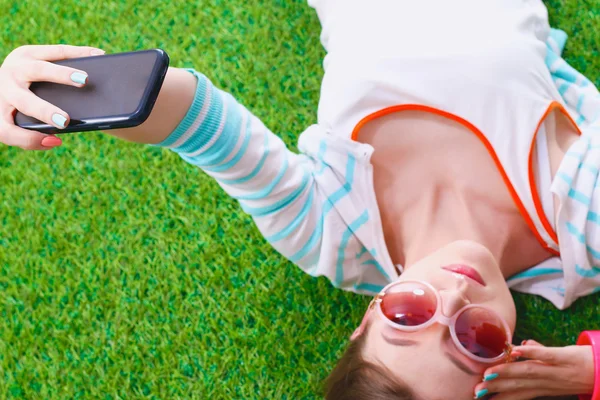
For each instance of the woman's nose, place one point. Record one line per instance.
(452, 301)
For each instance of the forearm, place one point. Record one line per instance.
(253, 165)
(173, 102)
(222, 137)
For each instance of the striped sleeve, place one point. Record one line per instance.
(579, 93)
(272, 184)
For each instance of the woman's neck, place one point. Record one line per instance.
(448, 214)
(438, 227)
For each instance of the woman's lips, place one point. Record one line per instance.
(467, 271)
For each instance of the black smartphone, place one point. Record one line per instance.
(120, 92)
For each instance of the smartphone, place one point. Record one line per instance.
(120, 92)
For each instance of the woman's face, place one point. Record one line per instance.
(427, 360)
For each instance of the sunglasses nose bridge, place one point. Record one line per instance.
(443, 320)
(452, 301)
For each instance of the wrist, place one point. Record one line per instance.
(174, 101)
(591, 339)
(204, 116)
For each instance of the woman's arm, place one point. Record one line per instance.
(547, 371)
(253, 165)
(173, 102)
(207, 127)
(29, 64)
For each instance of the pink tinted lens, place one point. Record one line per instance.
(481, 332)
(409, 304)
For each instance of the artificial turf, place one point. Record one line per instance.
(125, 273)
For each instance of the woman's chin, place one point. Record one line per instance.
(473, 251)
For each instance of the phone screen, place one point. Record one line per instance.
(117, 84)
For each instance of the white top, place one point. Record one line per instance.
(481, 61)
(492, 65)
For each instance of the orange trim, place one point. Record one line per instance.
(486, 143)
(534, 192)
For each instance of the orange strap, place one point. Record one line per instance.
(534, 192)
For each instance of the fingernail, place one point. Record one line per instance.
(490, 377)
(97, 52)
(481, 393)
(524, 342)
(79, 77)
(51, 141)
(516, 354)
(59, 120)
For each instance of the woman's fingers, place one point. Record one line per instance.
(548, 371)
(28, 140)
(524, 369)
(521, 388)
(549, 355)
(520, 395)
(29, 64)
(57, 52)
(42, 71)
(520, 378)
(514, 385)
(31, 105)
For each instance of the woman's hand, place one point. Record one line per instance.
(29, 64)
(547, 371)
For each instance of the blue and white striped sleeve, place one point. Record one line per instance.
(272, 184)
(580, 95)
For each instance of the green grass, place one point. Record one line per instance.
(125, 273)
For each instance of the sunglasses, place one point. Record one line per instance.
(478, 332)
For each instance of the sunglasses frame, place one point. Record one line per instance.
(450, 322)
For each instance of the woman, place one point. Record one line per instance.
(445, 160)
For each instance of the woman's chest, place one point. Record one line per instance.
(417, 152)
(432, 176)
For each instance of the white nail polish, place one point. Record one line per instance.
(59, 120)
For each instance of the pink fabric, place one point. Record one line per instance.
(592, 338)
